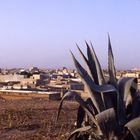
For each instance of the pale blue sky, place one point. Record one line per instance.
(41, 32)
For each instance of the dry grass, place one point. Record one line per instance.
(34, 119)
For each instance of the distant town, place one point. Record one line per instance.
(51, 82)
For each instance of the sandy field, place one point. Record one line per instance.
(34, 118)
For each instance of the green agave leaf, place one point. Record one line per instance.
(95, 66)
(81, 113)
(113, 81)
(126, 94)
(96, 98)
(80, 116)
(85, 59)
(80, 130)
(107, 98)
(124, 85)
(135, 107)
(110, 99)
(111, 66)
(117, 103)
(121, 114)
(134, 127)
(92, 87)
(95, 69)
(82, 104)
(86, 62)
(91, 106)
(107, 122)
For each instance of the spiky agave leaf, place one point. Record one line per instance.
(111, 66)
(135, 107)
(89, 83)
(80, 130)
(107, 98)
(110, 100)
(86, 62)
(121, 116)
(125, 98)
(81, 113)
(113, 81)
(81, 102)
(92, 87)
(91, 105)
(135, 96)
(80, 117)
(95, 65)
(125, 84)
(107, 122)
(96, 98)
(85, 59)
(96, 70)
(85, 77)
(134, 127)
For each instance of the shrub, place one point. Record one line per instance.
(112, 110)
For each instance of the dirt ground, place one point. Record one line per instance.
(34, 119)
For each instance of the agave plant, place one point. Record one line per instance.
(112, 110)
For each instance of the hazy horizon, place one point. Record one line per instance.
(41, 33)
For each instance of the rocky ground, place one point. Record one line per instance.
(34, 119)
